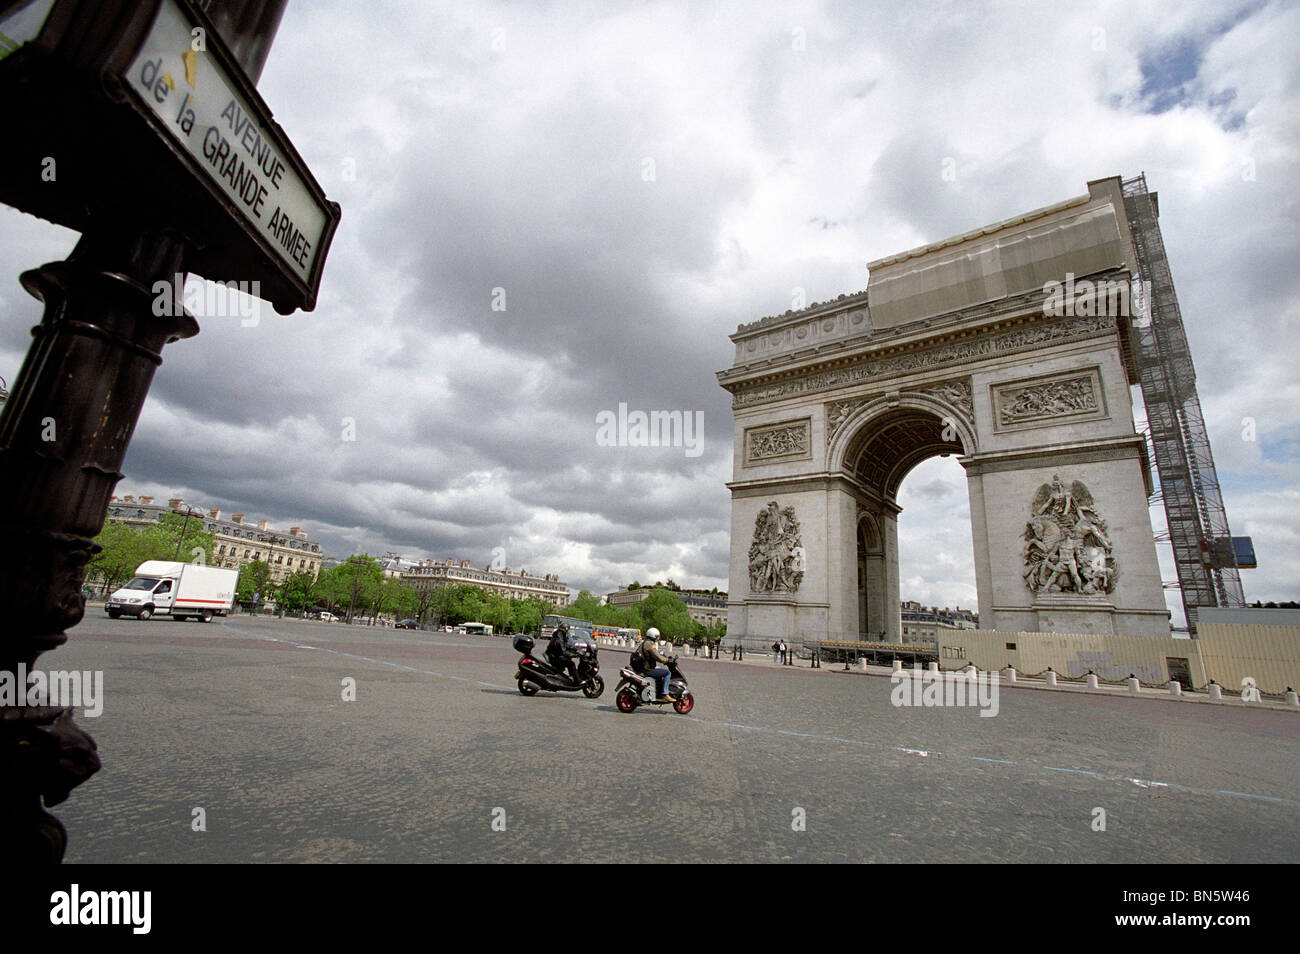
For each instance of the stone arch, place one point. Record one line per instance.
(860, 420)
(834, 404)
(875, 447)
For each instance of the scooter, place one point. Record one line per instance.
(640, 689)
(536, 672)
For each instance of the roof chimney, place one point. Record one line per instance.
(215, 513)
(175, 503)
(236, 518)
(261, 524)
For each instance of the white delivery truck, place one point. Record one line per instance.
(177, 589)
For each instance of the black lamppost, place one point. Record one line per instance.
(145, 75)
(189, 511)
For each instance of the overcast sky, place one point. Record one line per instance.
(633, 182)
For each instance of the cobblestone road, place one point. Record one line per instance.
(245, 719)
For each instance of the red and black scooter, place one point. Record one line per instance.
(536, 672)
(641, 689)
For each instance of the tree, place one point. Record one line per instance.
(497, 612)
(252, 587)
(398, 598)
(585, 606)
(469, 603)
(190, 542)
(124, 547)
(297, 592)
(356, 583)
(526, 615)
(667, 611)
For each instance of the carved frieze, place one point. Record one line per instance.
(957, 393)
(1066, 546)
(926, 358)
(786, 440)
(777, 559)
(1048, 400)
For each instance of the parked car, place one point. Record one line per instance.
(328, 617)
(408, 624)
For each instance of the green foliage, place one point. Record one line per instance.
(253, 580)
(188, 537)
(526, 615)
(125, 547)
(354, 586)
(666, 610)
(398, 598)
(297, 592)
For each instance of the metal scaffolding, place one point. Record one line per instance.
(1198, 526)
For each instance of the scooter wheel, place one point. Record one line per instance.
(626, 700)
(593, 689)
(527, 688)
(685, 703)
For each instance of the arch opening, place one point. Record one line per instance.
(878, 456)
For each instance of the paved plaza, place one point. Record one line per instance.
(439, 758)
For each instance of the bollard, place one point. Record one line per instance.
(1092, 680)
(1291, 698)
(934, 667)
(1175, 687)
(817, 660)
(862, 664)
(898, 664)
(1050, 676)
(1216, 691)
(1010, 673)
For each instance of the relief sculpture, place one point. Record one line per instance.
(779, 442)
(777, 558)
(1054, 399)
(1066, 547)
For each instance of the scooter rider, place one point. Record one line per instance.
(649, 650)
(557, 650)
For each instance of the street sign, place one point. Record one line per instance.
(193, 100)
(133, 116)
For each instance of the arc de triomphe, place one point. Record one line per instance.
(1007, 347)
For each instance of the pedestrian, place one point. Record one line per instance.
(776, 651)
(784, 650)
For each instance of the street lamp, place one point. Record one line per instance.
(153, 78)
(184, 526)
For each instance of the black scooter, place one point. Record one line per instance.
(537, 672)
(640, 689)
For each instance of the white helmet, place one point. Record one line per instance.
(652, 633)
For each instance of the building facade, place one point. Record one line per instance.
(928, 624)
(705, 606)
(236, 542)
(509, 584)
